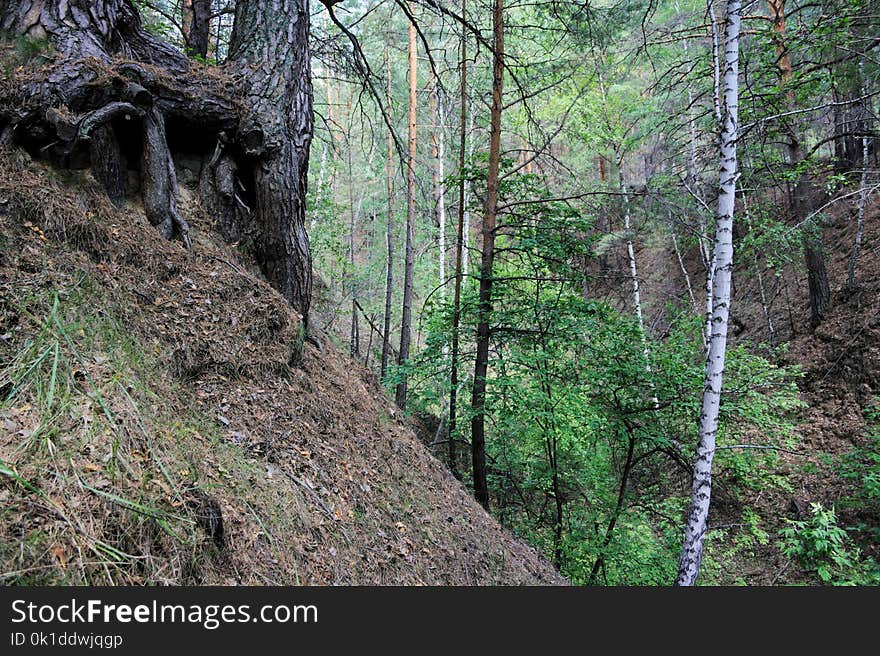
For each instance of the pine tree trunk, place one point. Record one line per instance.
(484, 308)
(259, 106)
(197, 26)
(354, 216)
(696, 525)
(438, 154)
(409, 254)
(270, 45)
(801, 201)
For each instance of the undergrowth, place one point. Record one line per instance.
(96, 487)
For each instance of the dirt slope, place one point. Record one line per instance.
(147, 395)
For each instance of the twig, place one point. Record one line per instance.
(311, 491)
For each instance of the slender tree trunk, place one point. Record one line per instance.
(696, 526)
(389, 233)
(707, 256)
(354, 216)
(438, 154)
(465, 261)
(484, 308)
(409, 255)
(863, 199)
(599, 563)
(684, 271)
(459, 252)
(631, 254)
(634, 277)
(801, 202)
(197, 26)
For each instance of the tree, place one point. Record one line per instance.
(695, 528)
(459, 251)
(256, 114)
(272, 43)
(197, 26)
(389, 230)
(409, 250)
(801, 201)
(484, 309)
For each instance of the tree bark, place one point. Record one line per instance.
(81, 28)
(409, 253)
(107, 65)
(484, 308)
(108, 164)
(270, 47)
(197, 26)
(438, 154)
(696, 526)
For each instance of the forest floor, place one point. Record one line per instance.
(147, 393)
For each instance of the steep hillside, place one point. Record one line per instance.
(840, 361)
(163, 422)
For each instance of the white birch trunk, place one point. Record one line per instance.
(695, 528)
(684, 272)
(631, 255)
(467, 193)
(634, 277)
(863, 199)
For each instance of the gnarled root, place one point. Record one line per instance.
(159, 182)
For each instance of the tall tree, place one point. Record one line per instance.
(409, 252)
(801, 199)
(438, 154)
(459, 250)
(389, 233)
(484, 308)
(695, 528)
(271, 40)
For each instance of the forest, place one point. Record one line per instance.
(608, 268)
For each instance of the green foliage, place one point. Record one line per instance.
(155, 23)
(584, 428)
(861, 468)
(590, 418)
(825, 549)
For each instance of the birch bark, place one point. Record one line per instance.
(695, 528)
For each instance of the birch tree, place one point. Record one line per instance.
(696, 525)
